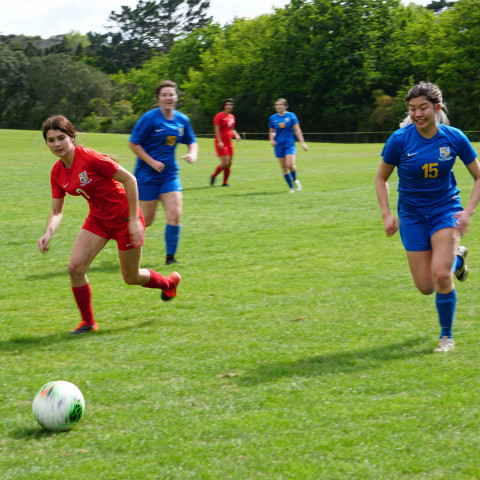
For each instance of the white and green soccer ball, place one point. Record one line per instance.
(58, 406)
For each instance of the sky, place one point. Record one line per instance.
(47, 18)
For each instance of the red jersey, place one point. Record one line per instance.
(226, 121)
(91, 176)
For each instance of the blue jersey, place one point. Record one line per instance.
(283, 125)
(425, 165)
(159, 137)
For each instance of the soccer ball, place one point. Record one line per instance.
(58, 406)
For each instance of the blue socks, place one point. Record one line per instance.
(172, 237)
(446, 304)
(457, 263)
(288, 179)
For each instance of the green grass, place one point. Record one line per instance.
(298, 347)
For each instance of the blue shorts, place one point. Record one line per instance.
(282, 151)
(151, 191)
(417, 227)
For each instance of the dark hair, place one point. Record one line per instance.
(228, 100)
(58, 122)
(163, 84)
(425, 89)
(433, 94)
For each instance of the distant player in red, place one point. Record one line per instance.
(114, 214)
(224, 129)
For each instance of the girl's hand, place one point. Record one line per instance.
(158, 166)
(463, 221)
(390, 224)
(189, 158)
(43, 243)
(136, 231)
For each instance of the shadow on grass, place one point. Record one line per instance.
(32, 433)
(206, 187)
(334, 363)
(63, 272)
(19, 345)
(257, 194)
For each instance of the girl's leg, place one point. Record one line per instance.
(85, 249)
(286, 172)
(134, 275)
(421, 268)
(290, 162)
(227, 163)
(148, 209)
(172, 205)
(444, 245)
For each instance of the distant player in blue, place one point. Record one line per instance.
(153, 140)
(430, 216)
(283, 127)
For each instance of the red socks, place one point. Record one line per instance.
(217, 171)
(157, 281)
(226, 174)
(83, 297)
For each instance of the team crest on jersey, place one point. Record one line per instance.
(84, 180)
(180, 131)
(445, 153)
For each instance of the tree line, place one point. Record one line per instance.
(343, 65)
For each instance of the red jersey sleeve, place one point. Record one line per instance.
(101, 163)
(55, 181)
(217, 119)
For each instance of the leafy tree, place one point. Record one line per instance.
(61, 85)
(14, 89)
(439, 5)
(141, 32)
(452, 61)
(157, 23)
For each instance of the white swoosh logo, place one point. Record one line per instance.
(412, 154)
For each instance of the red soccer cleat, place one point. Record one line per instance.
(167, 295)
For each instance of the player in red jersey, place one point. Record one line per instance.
(114, 214)
(224, 129)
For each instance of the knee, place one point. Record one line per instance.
(173, 217)
(131, 279)
(76, 269)
(149, 219)
(443, 280)
(426, 289)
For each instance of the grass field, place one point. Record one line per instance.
(298, 347)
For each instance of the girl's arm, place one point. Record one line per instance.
(271, 136)
(381, 185)
(465, 216)
(140, 152)
(299, 134)
(53, 222)
(216, 131)
(192, 154)
(129, 182)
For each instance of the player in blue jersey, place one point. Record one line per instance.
(431, 218)
(283, 126)
(153, 140)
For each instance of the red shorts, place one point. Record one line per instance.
(226, 151)
(120, 234)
